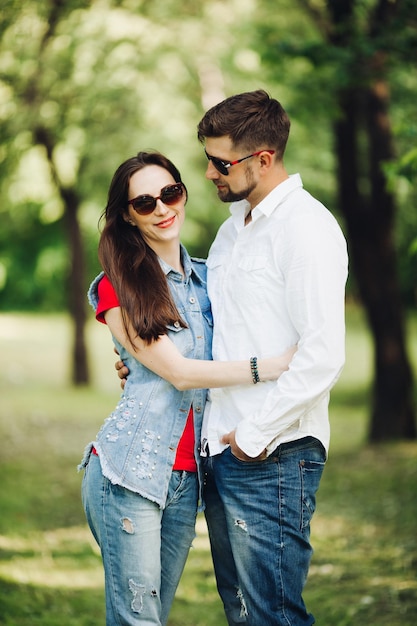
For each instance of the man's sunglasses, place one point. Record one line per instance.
(223, 166)
(171, 194)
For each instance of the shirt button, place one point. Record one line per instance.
(192, 300)
(176, 324)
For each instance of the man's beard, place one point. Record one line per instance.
(226, 195)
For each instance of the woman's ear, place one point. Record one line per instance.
(128, 219)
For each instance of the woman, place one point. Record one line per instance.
(142, 484)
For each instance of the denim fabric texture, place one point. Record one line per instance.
(141, 512)
(140, 578)
(258, 515)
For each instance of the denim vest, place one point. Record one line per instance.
(137, 443)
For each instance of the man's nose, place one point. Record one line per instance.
(211, 172)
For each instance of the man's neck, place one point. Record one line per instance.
(248, 218)
(265, 187)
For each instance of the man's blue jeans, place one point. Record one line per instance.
(258, 515)
(144, 548)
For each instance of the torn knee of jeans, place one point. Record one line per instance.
(240, 523)
(127, 526)
(138, 592)
(243, 608)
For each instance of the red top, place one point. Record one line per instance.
(184, 460)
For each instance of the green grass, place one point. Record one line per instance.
(364, 532)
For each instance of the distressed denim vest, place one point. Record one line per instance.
(137, 443)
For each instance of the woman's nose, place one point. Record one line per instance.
(161, 208)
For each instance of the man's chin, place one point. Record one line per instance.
(225, 195)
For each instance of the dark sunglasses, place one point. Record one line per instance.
(171, 194)
(223, 166)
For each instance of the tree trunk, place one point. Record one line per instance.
(76, 288)
(363, 143)
(45, 137)
(370, 222)
(77, 296)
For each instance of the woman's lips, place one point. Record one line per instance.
(166, 223)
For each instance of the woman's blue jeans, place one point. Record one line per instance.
(144, 548)
(258, 515)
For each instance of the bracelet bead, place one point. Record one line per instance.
(254, 369)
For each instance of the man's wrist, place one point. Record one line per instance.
(253, 361)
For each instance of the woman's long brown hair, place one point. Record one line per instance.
(131, 265)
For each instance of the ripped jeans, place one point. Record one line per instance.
(143, 548)
(258, 515)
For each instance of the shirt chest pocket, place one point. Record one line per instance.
(253, 263)
(182, 337)
(251, 279)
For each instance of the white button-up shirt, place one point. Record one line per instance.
(277, 282)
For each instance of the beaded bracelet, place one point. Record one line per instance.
(254, 369)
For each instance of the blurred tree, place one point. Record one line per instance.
(31, 89)
(83, 85)
(354, 46)
(66, 107)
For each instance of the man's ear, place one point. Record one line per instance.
(266, 159)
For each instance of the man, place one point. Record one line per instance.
(276, 277)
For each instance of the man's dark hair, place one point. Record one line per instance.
(253, 120)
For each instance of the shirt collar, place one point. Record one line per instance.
(186, 263)
(240, 209)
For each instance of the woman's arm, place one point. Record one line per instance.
(164, 359)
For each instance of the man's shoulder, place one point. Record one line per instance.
(227, 230)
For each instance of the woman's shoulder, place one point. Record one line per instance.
(92, 293)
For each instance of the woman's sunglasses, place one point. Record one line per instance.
(171, 194)
(223, 166)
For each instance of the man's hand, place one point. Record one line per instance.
(237, 452)
(122, 371)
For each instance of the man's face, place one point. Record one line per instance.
(240, 180)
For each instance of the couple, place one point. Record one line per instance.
(276, 274)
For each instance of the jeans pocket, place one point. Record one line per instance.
(245, 463)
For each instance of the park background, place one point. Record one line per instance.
(84, 85)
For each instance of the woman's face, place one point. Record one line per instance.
(161, 228)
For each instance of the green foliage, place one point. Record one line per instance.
(104, 79)
(95, 82)
(35, 267)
